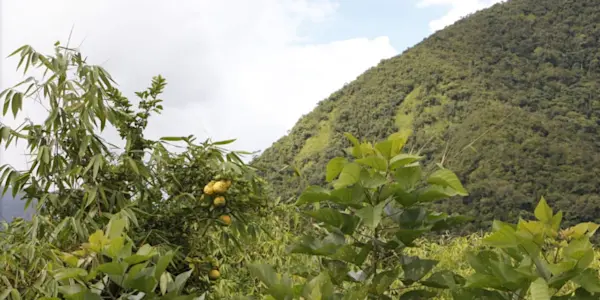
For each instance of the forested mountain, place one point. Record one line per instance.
(508, 97)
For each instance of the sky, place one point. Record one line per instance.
(235, 68)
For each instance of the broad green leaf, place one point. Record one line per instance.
(371, 215)
(543, 212)
(504, 237)
(539, 290)
(318, 288)
(375, 162)
(350, 196)
(407, 236)
(334, 167)
(313, 194)
(402, 160)
(178, 284)
(407, 177)
(416, 268)
(115, 228)
(443, 279)
(384, 148)
(162, 264)
(588, 279)
(350, 175)
(556, 220)
(345, 222)
(264, 273)
(113, 268)
(398, 141)
(447, 178)
(372, 181)
(434, 193)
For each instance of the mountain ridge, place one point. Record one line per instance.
(521, 79)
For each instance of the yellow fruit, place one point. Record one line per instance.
(209, 188)
(228, 182)
(219, 201)
(220, 187)
(225, 219)
(214, 274)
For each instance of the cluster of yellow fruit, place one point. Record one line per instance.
(218, 188)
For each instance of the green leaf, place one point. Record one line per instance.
(113, 268)
(543, 212)
(352, 139)
(403, 159)
(539, 290)
(72, 289)
(115, 227)
(556, 220)
(179, 283)
(588, 279)
(418, 295)
(172, 138)
(407, 177)
(226, 142)
(434, 193)
(416, 268)
(407, 236)
(505, 236)
(320, 287)
(350, 175)
(162, 264)
(313, 194)
(334, 167)
(69, 273)
(17, 103)
(372, 181)
(383, 280)
(264, 273)
(447, 178)
(399, 139)
(371, 215)
(384, 148)
(443, 279)
(375, 162)
(345, 222)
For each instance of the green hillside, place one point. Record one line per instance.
(509, 98)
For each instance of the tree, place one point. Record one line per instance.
(79, 182)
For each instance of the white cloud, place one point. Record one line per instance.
(457, 10)
(235, 68)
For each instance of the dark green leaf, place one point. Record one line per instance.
(345, 222)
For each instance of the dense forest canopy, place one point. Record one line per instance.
(508, 97)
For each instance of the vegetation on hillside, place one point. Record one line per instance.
(147, 222)
(508, 98)
(175, 218)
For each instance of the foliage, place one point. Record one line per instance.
(535, 258)
(377, 208)
(508, 98)
(77, 181)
